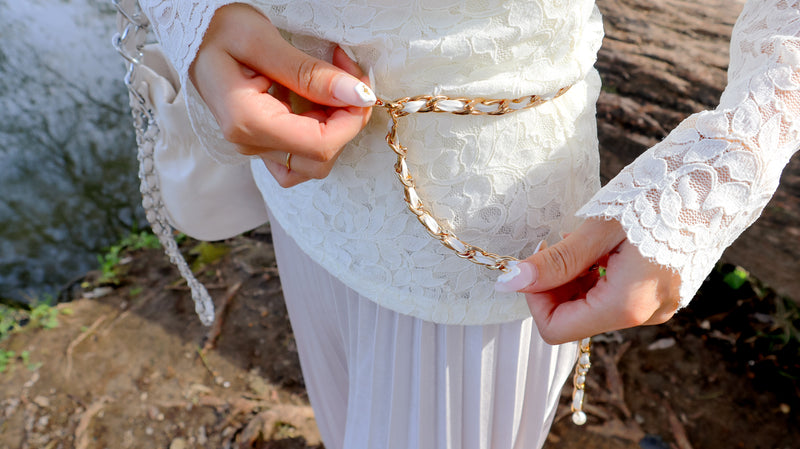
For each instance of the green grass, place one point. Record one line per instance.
(110, 260)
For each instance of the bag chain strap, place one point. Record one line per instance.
(129, 41)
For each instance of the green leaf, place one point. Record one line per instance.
(736, 278)
(208, 253)
(45, 316)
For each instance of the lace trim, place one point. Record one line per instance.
(686, 199)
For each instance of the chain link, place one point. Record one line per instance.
(582, 366)
(132, 26)
(459, 106)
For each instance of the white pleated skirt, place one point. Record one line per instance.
(379, 379)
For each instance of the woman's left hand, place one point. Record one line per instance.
(568, 298)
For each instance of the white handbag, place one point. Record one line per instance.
(182, 186)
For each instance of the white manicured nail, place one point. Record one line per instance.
(353, 92)
(518, 277)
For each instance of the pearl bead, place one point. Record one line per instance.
(579, 418)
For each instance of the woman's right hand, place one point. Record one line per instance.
(241, 58)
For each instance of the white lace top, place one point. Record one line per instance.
(505, 183)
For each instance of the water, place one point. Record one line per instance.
(68, 185)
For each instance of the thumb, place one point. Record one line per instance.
(566, 260)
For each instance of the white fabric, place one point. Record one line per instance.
(496, 181)
(507, 182)
(379, 379)
(203, 198)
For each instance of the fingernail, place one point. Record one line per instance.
(521, 275)
(353, 92)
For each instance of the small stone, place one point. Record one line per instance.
(43, 422)
(202, 437)
(579, 418)
(127, 439)
(34, 378)
(11, 405)
(149, 431)
(98, 292)
(197, 390)
(42, 401)
(663, 343)
(178, 443)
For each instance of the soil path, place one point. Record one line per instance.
(124, 369)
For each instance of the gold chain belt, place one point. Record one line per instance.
(459, 106)
(471, 106)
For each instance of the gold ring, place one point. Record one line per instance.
(288, 162)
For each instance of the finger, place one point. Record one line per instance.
(300, 165)
(282, 94)
(321, 82)
(341, 60)
(245, 43)
(263, 121)
(561, 314)
(286, 178)
(572, 312)
(250, 117)
(571, 257)
(633, 292)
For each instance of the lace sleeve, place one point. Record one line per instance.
(180, 27)
(686, 199)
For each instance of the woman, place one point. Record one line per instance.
(401, 343)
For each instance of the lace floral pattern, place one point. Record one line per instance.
(686, 199)
(507, 182)
(497, 181)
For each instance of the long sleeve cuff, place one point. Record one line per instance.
(179, 27)
(686, 199)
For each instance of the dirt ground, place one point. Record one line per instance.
(127, 370)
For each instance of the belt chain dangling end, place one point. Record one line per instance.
(582, 366)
